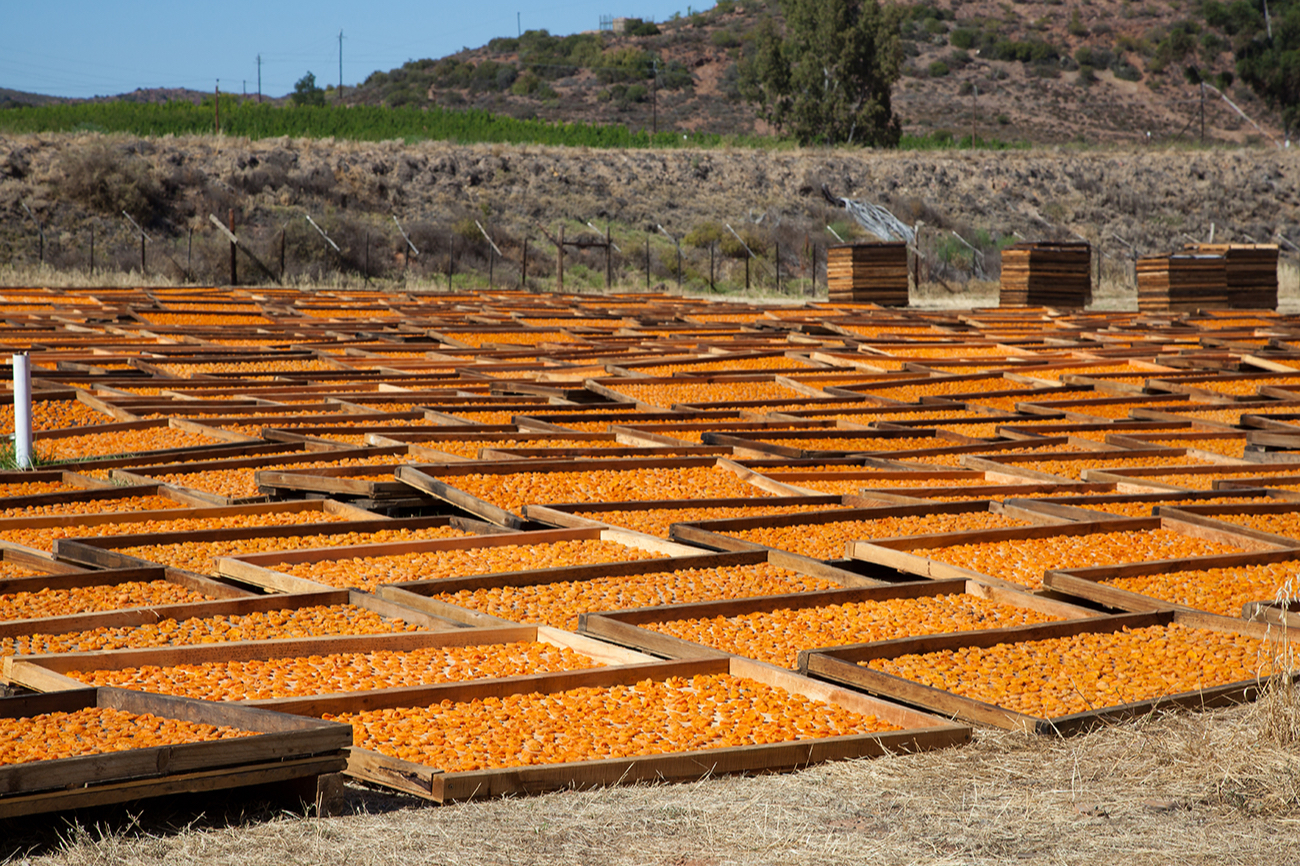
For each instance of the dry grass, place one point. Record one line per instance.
(1183, 788)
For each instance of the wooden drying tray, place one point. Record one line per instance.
(712, 534)
(49, 672)
(258, 569)
(221, 438)
(200, 467)
(567, 514)
(939, 424)
(61, 576)
(1090, 583)
(422, 594)
(866, 412)
(662, 434)
(1003, 465)
(628, 627)
(104, 494)
(1207, 514)
(16, 671)
(1091, 507)
(103, 552)
(439, 481)
(920, 732)
(1253, 476)
(1077, 410)
(845, 665)
(1192, 387)
(896, 552)
(47, 476)
(554, 422)
(372, 482)
(183, 511)
(286, 748)
(1246, 408)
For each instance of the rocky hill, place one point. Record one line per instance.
(1039, 72)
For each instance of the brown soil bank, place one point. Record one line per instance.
(1155, 200)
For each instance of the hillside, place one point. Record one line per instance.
(1153, 198)
(1104, 71)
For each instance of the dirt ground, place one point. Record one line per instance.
(1189, 788)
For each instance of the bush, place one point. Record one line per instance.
(962, 37)
(938, 69)
(725, 39)
(109, 181)
(703, 235)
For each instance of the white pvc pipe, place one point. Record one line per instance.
(23, 411)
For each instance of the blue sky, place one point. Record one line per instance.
(104, 47)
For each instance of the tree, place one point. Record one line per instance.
(305, 91)
(1271, 64)
(829, 78)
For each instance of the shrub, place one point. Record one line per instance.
(938, 69)
(724, 39)
(962, 37)
(110, 181)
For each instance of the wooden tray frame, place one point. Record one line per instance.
(841, 665)
(284, 749)
(895, 552)
(48, 673)
(418, 594)
(1089, 583)
(102, 552)
(626, 627)
(258, 569)
(920, 732)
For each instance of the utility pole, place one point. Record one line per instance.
(974, 94)
(519, 27)
(654, 99)
(340, 98)
(216, 106)
(259, 79)
(1202, 112)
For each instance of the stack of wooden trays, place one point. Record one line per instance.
(1046, 274)
(1251, 273)
(1181, 282)
(871, 273)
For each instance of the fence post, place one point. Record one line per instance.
(609, 272)
(559, 262)
(523, 266)
(711, 246)
(647, 261)
(234, 272)
(92, 248)
(777, 251)
(282, 232)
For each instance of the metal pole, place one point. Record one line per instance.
(777, 257)
(189, 252)
(142, 270)
(22, 411)
(609, 273)
(282, 254)
(559, 262)
(367, 256)
(92, 249)
(523, 266)
(647, 261)
(216, 106)
(747, 275)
